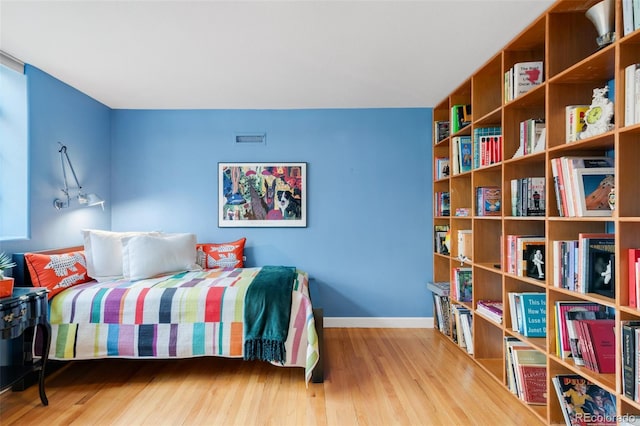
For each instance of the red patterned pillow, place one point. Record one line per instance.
(222, 255)
(57, 271)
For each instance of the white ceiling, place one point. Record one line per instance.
(262, 54)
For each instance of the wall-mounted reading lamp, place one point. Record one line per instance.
(83, 199)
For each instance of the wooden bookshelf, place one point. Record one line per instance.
(573, 67)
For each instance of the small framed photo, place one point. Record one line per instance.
(594, 186)
(262, 194)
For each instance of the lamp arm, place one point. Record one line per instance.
(63, 150)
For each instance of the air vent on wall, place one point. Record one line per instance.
(251, 138)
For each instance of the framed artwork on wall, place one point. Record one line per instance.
(262, 194)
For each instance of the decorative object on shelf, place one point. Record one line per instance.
(84, 199)
(262, 194)
(612, 198)
(603, 18)
(6, 283)
(598, 116)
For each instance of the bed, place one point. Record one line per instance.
(262, 313)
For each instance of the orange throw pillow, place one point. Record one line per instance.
(57, 271)
(221, 255)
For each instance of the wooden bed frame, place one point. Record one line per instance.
(23, 279)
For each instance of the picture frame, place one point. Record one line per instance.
(253, 194)
(594, 186)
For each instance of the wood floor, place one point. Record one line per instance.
(373, 377)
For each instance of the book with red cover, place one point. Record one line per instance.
(602, 338)
(634, 256)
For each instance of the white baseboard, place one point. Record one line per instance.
(376, 322)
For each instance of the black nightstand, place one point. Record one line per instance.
(20, 315)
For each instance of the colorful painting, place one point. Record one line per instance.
(262, 194)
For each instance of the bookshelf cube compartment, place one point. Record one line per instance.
(487, 243)
(485, 85)
(627, 202)
(566, 49)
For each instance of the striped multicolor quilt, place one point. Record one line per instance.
(185, 315)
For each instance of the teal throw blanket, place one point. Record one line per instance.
(267, 308)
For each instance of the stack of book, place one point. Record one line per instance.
(462, 156)
(585, 332)
(487, 146)
(528, 196)
(526, 370)
(440, 130)
(632, 94)
(630, 16)
(488, 201)
(631, 359)
(441, 168)
(441, 204)
(528, 313)
(583, 185)
(461, 279)
(490, 309)
(521, 78)
(442, 239)
(460, 117)
(581, 400)
(532, 137)
(633, 266)
(586, 265)
(440, 291)
(462, 327)
(525, 255)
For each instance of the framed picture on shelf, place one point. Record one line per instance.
(593, 188)
(262, 194)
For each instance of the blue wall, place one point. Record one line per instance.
(58, 112)
(368, 239)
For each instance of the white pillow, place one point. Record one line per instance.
(145, 256)
(103, 250)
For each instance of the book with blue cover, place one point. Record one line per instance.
(533, 313)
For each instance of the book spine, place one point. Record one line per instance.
(627, 16)
(629, 367)
(629, 94)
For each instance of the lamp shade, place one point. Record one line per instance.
(94, 200)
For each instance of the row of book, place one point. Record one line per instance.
(440, 168)
(490, 309)
(574, 116)
(585, 333)
(582, 402)
(630, 16)
(583, 185)
(460, 117)
(461, 327)
(585, 265)
(440, 130)
(487, 146)
(441, 203)
(632, 94)
(525, 255)
(528, 313)
(442, 239)
(488, 201)
(442, 310)
(461, 153)
(521, 78)
(461, 284)
(633, 268)
(631, 359)
(528, 196)
(532, 137)
(526, 370)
